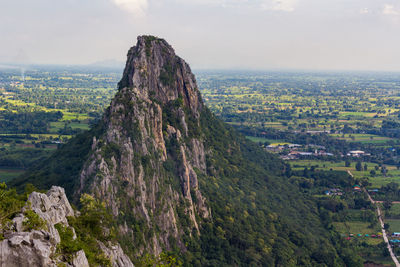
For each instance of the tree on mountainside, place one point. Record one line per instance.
(347, 163)
(358, 166)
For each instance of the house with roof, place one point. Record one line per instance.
(356, 153)
(334, 192)
(357, 188)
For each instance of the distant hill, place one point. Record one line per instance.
(108, 63)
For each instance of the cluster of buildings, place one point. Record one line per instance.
(334, 192)
(396, 241)
(296, 151)
(316, 153)
(14, 84)
(280, 148)
(379, 235)
(396, 234)
(357, 153)
(339, 192)
(373, 191)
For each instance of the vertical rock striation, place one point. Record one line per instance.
(144, 163)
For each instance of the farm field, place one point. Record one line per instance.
(9, 174)
(44, 108)
(356, 228)
(394, 225)
(58, 126)
(265, 140)
(301, 102)
(394, 209)
(363, 138)
(363, 228)
(376, 181)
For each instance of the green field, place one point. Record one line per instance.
(339, 166)
(67, 116)
(362, 138)
(79, 125)
(355, 228)
(394, 225)
(56, 126)
(263, 140)
(357, 114)
(9, 174)
(395, 209)
(376, 181)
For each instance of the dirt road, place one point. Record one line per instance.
(378, 210)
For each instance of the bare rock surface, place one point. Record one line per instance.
(116, 254)
(22, 249)
(80, 259)
(38, 247)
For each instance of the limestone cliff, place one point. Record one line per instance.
(25, 247)
(143, 164)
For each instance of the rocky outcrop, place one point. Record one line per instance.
(115, 252)
(145, 163)
(80, 259)
(21, 249)
(38, 247)
(53, 207)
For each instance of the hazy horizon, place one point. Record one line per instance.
(209, 34)
(98, 67)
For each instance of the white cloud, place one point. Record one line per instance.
(390, 10)
(136, 7)
(275, 5)
(364, 10)
(279, 5)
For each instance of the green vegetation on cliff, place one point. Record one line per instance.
(258, 216)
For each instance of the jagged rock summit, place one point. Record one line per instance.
(153, 68)
(143, 162)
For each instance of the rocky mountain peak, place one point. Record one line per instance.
(157, 72)
(143, 160)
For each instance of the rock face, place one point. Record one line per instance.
(52, 207)
(80, 259)
(22, 248)
(28, 249)
(116, 253)
(145, 163)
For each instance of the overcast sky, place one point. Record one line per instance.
(241, 34)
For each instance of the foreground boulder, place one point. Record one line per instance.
(32, 237)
